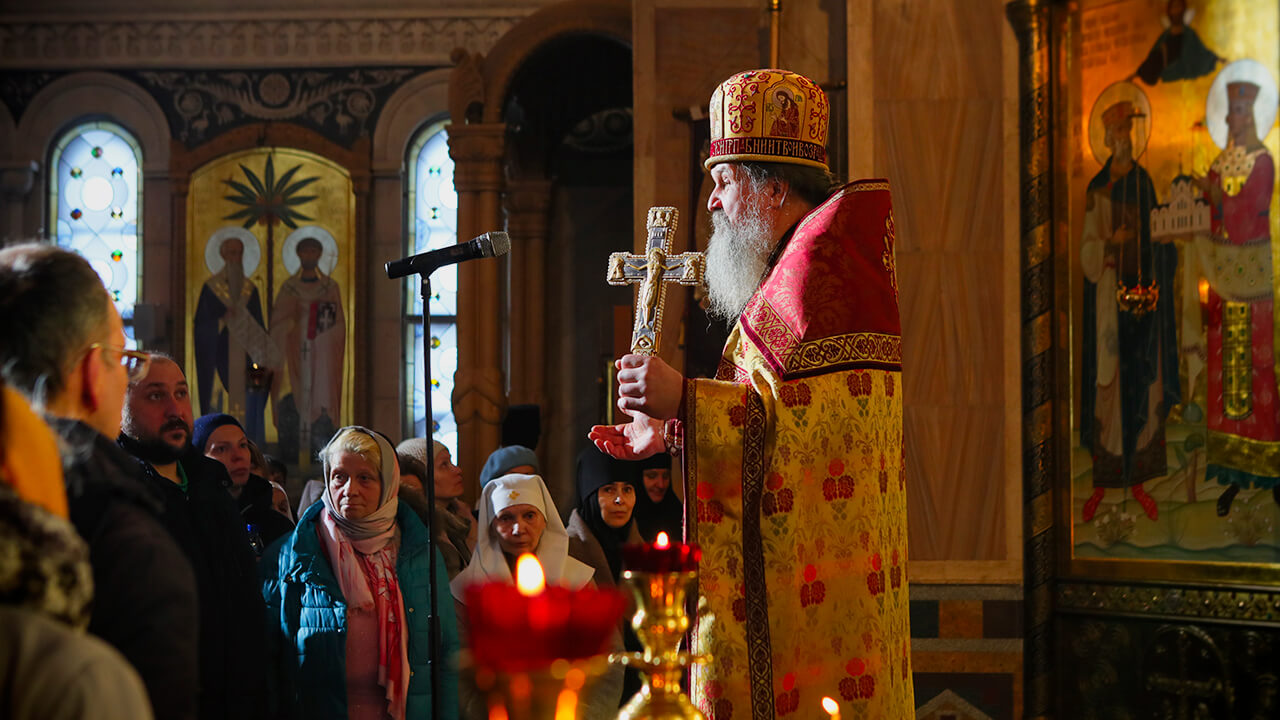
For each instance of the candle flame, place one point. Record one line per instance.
(662, 541)
(529, 577)
(1204, 291)
(567, 705)
(831, 707)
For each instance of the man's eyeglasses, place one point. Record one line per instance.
(136, 362)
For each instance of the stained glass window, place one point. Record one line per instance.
(432, 224)
(95, 199)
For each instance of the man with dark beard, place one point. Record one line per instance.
(206, 524)
(793, 453)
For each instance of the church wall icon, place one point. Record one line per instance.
(1173, 223)
(270, 240)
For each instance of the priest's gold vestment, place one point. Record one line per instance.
(796, 489)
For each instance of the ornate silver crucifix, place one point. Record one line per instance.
(653, 270)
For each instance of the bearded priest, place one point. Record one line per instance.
(793, 462)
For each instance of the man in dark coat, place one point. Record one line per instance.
(204, 520)
(64, 350)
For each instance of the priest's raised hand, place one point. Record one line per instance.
(649, 391)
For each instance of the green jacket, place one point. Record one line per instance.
(306, 624)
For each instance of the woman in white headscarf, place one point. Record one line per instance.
(348, 593)
(517, 516)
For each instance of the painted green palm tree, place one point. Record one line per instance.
(269, 201)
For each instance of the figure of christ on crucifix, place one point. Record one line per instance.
(652, 270)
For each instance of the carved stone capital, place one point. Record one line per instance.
(466, 86)
(17, 179)
(478, 395)
(526, 203)
(477, 150)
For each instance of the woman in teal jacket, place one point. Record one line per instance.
(347, 598)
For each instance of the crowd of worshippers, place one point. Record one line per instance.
(152, 565)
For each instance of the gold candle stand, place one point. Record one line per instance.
(660, 622)
(547, 694)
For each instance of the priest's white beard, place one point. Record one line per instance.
(737, 258)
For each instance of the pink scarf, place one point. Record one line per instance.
(366, 571)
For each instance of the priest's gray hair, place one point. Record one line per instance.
(52, 307)
(813, 184)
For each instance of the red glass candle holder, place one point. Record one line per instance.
(655, 558)
(514, 632)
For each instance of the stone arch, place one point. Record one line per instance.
(415, 102)
(88, 94)
(603, 17)
(407, 110)
(490, 197)
(489, 81)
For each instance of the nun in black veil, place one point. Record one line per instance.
(657, 507)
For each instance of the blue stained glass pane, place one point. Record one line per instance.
(433, 218)
(444, 363)
(95, 201)
(434, 211)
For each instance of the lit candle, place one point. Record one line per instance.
(530, 580)
(663, 556)
(832, 708)
(530, 625)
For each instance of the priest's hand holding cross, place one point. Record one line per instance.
(649, 390)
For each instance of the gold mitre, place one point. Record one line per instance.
(769, 116)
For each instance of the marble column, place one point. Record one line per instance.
(16, 181)
(1033, 24)
(479, 399)
(527, 203)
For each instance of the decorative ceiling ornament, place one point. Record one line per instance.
(342, 105)
(272, 40)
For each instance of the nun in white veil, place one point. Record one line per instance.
(517, 515)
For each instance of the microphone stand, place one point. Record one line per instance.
(429, 483)
(423, 264)
(433, 620)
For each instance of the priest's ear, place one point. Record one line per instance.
(776, 191)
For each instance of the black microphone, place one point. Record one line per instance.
(490, 244)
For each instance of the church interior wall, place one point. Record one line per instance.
(932, 107)
(928, 102)
(167, 76)
(929, 96)
(587, 223)
(412, 107)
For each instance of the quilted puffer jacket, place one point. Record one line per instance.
(306, 624)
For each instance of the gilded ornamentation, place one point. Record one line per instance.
(1031, 22)
(769, 115)
(1139, 667)
(888, 257)
(1237, 360)
(653, 271)
(794, 358)
(1159, 600)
